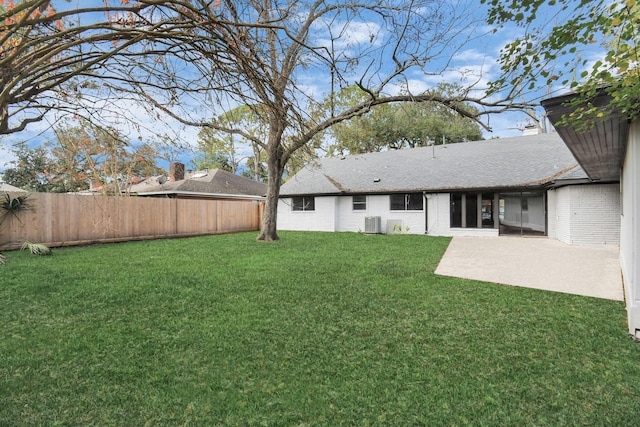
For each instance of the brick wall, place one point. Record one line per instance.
(559, 214)
(335, 213)
(595, 214)
(585, 214)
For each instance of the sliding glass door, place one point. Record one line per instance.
(523, 213)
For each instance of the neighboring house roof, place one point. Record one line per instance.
(6, 188)
(518, 162)
(213, 183)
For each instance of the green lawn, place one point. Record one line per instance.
(318, 329)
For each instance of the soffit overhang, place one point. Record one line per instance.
(600, 149)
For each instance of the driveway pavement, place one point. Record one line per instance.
(536, 262)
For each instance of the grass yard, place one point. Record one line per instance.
(316, 330)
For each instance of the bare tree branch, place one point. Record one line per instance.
(192, 59)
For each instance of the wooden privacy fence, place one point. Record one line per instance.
(71, 219)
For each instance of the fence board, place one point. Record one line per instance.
(70, 219)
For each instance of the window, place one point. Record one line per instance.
(456, 210)
(359, 203)
(471, 210)
(406, 202)
(304, 203)
(471, 213)
(487, 210)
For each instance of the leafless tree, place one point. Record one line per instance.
(261, 53)
(57, 58)
(42, 51)
(192, 59)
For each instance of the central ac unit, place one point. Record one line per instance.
(372, 225)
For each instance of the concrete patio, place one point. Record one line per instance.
(536, 262)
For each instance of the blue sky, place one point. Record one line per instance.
(476, 61)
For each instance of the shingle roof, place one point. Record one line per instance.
(518, 162)
(214, 182)
(573, 174)
(6, 188)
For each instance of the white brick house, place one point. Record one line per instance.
(609, 151)
(629, 227)
(523, 185)
(585, 214)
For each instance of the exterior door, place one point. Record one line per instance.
(523, 213)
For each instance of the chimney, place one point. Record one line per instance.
(530, 129)
(95, 187)
(176, 171)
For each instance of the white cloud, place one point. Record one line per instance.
(348, 35)
(35, 135)
(5, 157)
(470, 68)
(135, 122)
(413, 86)
(472, 55)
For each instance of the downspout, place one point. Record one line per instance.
(426, 213)
(546, 212)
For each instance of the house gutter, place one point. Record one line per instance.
(527, 186)
(577, 181)
(426, 212)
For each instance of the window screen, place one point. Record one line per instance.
(304, 203)
(359, 203)
(406, 202)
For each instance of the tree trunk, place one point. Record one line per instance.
(270, 216)
(256, 161)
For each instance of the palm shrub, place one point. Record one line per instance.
(35, 248)
(11, 207)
